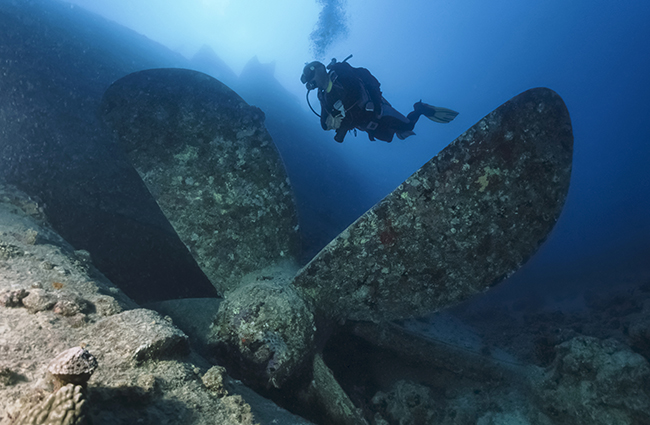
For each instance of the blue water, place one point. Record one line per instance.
(467, 55)
(471, 56)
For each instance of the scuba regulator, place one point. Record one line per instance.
(308, 78)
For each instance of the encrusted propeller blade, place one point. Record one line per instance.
(466, 220)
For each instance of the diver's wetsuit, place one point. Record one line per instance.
(364, 106)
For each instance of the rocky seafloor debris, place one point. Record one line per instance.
(135, 365)
(52, 298)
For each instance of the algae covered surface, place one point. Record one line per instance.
(53, 299)
(467, 219)
(209, 162)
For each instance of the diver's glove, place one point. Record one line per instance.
(333, 123)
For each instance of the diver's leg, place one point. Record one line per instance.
(434, 113)
(394, 122)
(437, 114)
(413, 118)
(405, 129)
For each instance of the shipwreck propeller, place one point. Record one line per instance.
(465, 221)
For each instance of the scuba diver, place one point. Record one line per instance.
(350, 99)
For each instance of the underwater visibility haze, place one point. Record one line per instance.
(259, 182)
(469, 56)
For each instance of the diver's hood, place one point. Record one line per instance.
(309, 73)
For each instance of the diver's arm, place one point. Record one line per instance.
(340, 135)
(346, 125)
(375, 97)
(374, 92)
(372, 87)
